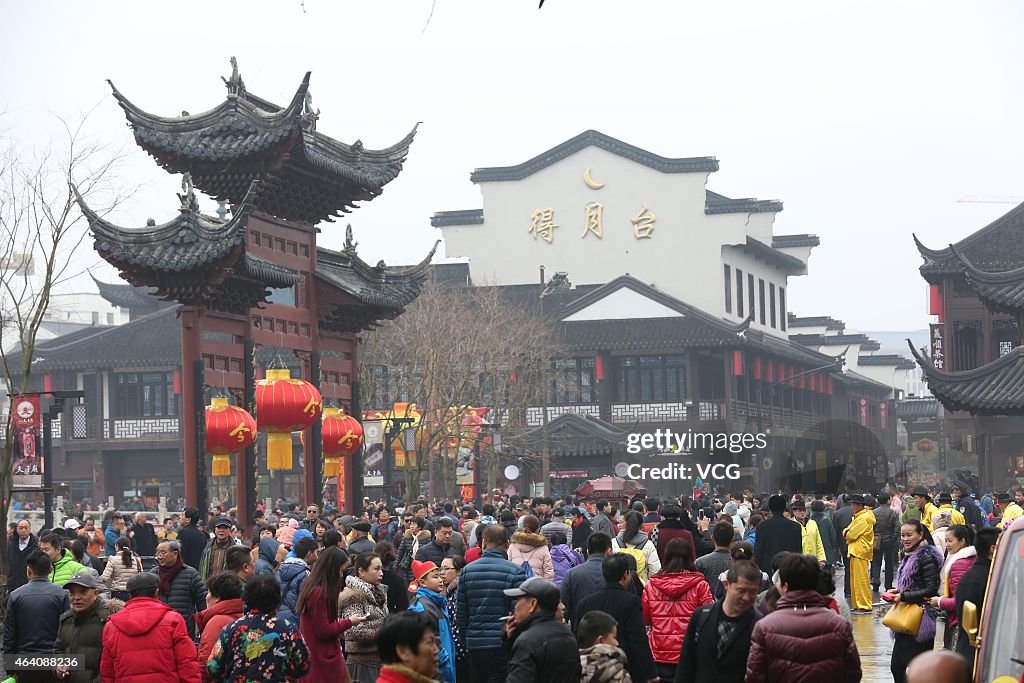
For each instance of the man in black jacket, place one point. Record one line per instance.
(541, 649)
(627, 610)
(33, 611)
(841, 519)
(19, 547)
(192, 539)
(717, 640)
(143, 536)
(776, 534)
(972, 587)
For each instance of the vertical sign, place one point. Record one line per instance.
(373, 453)
(937, 346)
(341, 484)
(26, 465)
(883, 415)
(864, 412)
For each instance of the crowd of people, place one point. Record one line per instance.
(727, 588)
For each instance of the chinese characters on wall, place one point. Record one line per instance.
(542, 223)
(938, 349)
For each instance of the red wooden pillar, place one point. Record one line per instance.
(190, 354)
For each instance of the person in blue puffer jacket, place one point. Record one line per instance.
(431, 600)
(292, 573)
(482, 603)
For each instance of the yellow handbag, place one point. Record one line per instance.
(904, 617)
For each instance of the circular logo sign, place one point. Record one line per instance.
(511, 472)
(26, 410)
(925, 446)
(621, 469)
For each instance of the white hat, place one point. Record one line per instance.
(71, 523)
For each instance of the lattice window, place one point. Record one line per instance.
(1005, 347)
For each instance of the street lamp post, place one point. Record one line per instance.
(560, 280)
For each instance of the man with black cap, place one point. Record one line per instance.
(81, 629)
(215, 554)
(776, 534)
(1011, 511)
(541, 648)
(138, 639)
(360, 542)
(860, 538)
(193, 540)
(924, 504)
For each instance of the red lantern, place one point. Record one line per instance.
(342, 435)
(228, 429)
(284, 405)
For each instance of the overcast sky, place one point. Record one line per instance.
(868, 120)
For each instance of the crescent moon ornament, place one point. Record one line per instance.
(590, 182)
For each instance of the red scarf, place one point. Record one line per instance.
(167, 575)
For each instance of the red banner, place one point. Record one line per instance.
(864, 412)
(883, 415)
(26, 465)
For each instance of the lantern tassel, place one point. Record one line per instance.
(331, 467)
(221, 466)
(279, 451)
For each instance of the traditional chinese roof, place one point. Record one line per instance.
(367, 293)
(996, 388)
(886, 359)
(442, 219)
(786, 241)
(718, 203)
(917, 408)
(647, 334)
(125, 295)
(592, 138)
(999, 246)
(1001, 291)
(577, 435)
(149, 342)
(780, 259)
(309, 176)
(865, 343)
(828, 322)
(193, 259)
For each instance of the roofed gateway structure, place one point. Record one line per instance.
(256, 284)
(976, 363)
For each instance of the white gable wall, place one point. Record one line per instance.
(683, 258)
(623, 304)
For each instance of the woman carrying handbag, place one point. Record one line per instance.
(916, 583)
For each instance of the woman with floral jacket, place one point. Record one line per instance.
(259, 646)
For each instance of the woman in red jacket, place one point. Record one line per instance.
(317, 607)
(960, 556)
(669, 600)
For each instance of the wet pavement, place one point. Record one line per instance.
(874, 642)
(874, 645)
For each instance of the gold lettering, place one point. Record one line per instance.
(542, 224)
(312, 408)
(346, 441)
(593, 219)
(239, 432)
(643, 224)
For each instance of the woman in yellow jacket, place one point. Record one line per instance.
(860, 537)
(809, 528)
